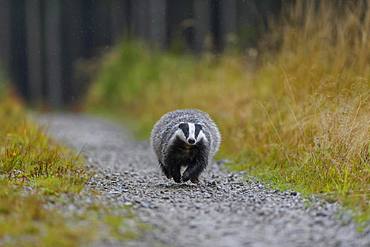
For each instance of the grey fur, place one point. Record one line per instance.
(167, 125)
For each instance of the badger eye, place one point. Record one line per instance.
(185, 129)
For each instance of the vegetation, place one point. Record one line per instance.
(300, 120)
(29, 161)
(34, 173)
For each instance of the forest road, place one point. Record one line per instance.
(225, 209)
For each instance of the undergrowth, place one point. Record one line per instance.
(34, 173)
(30, 162)
(300, 120)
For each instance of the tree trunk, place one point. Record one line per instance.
(73, 48)
(102, 23)
(5, 34)
(140, 19)
(202, 20)
(248, 22)
(228, 22)
(119, 20)
(34, 49)
(180, 25)
(53, 52)
(157, 22)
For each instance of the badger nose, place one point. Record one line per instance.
(191, 141)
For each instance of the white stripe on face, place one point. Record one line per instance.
(191, 131)
(201, 136)
(178, 134)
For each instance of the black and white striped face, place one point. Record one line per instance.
(190, 133)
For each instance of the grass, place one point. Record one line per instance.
(34, 174)
(26, 222)
(30, 158)
(300, 120)
(29, 161)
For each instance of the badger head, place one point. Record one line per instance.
(190, 133)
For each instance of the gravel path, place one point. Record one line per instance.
(224, 210)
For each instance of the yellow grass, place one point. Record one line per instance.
(34, 172)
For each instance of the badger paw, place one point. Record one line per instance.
(166, 173)
(177, 179)
(185, 176)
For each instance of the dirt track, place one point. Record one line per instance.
(224, 210)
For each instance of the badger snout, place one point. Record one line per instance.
(191, 141)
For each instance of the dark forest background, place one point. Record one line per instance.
(43, 41)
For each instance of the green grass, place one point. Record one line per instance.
(26, 222)
(29, 161)
(300, 120)
(29, 158)
(35, 172)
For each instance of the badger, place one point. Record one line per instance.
(186, 138)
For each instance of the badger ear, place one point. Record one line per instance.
(199, 126)
(182, 125)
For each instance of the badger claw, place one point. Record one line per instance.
(166, 172)
(177, 179)
(185, 177)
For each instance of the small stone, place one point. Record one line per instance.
(321, 214)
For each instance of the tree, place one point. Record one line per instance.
(157, 22)
(202, 24)
(53, 52)
(34, 49)
(228, 22)
(5, 33)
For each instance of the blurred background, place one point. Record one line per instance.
(42, 42)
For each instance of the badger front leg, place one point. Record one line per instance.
(173, 168)
(176, 173)
(194, 169)
(165, 170)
